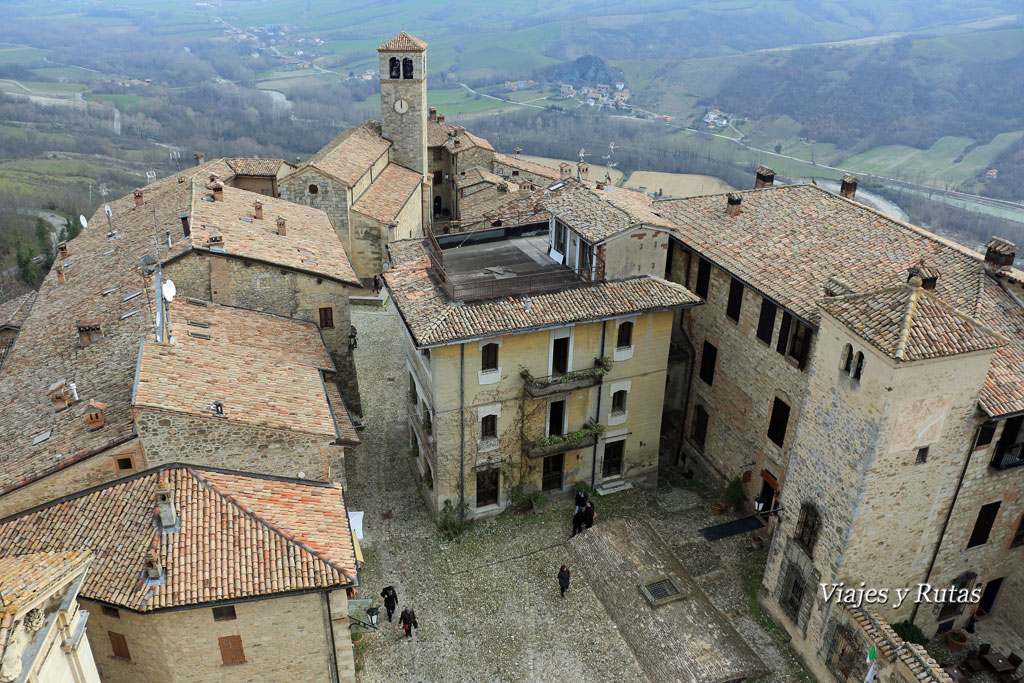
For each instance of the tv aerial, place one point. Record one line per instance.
(175, 157)
(150, 176)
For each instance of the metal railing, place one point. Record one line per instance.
(1008, 458)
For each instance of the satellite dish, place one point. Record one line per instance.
(169, 290)
(85, 223)
(106, 210)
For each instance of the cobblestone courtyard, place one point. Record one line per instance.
(488, 603)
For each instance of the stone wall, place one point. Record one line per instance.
(637, 252)
(521, 176)
(285, 639)
(332, 197)
(748, 376)
(446, 188)
(93, 471)
(474, 156)
(261, 287)
(173, 437)
(407, 131)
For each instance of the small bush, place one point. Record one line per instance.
(451, 523)
(734, 493)
(909, 632)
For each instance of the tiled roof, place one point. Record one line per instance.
(598, 214)
(477, 175)
(388, 193)
(14, 312)
(24, 578)
(350, 155)
(403, 42)
(432, 319)
(529, 166)
(789, 241)
(463, 140)
(256, 167)
(309, 244)
(257, 384)
(511, 208)
(104, 281)
(437, 132)
(910, 323)
(238, 536)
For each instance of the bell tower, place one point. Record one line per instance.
(403, 99)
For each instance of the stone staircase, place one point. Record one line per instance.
(608, 487)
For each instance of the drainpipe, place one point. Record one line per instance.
(330, 629)
(597, 414)
(462, 431)
(945, 522)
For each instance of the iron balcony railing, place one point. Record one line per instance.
(1008, 457)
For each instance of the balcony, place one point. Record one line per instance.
(560, 443)
(539, 387)
(1007, 458)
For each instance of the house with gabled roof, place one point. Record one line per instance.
(197, 568)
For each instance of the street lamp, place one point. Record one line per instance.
(761, 503)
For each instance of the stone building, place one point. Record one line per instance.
(67, 418)
(519, 170)
(42, 628)
(259, 175)
(171, 595)
(540, 377)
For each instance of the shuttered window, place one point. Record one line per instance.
(231, 650)
(119, 645)
(766, 323)
(703, 279)
(732, 309)
(326, 319)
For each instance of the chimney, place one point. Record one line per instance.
(765, 177)
(298, 160)
(735, 201)
(213, 177)
(928, 274)
(848, 188)
(457, 142)
(433, 113)
(181, 179)
(153, 568)
(165, 504)
(999, 253)
(216, 238)
(59, 396)
(218, 191)
(138, 197)
(600, 185)
(257, 210)
(89, 331)
(94, 418)
(564, 170)
(281, 230)
(62, 249)
(61, 275)
(582, 170)
(517, 151)
(198, 156)
(186, 229)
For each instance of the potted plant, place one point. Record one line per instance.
(719, 507)
(734, 494)
(956, 639)
(757, 541)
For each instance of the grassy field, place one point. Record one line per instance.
(26, 131)
(677, 184)
(122, 101)
(54, 87)
(451, 103)
(14, 54)
(935, 163)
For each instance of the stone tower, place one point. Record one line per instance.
(403, 99)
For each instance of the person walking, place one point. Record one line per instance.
(390, 600)
(589, 513)
(376, 285)
(563, 579)
(407, 621)
(581, 500)
(352, 338)
(577, 522)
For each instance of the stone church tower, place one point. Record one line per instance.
(403, 99)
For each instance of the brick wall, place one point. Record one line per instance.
(174, 437)
(284, 638)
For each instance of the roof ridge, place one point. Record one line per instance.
(907, 322)
(291, 538)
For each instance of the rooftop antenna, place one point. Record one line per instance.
(583, 153)
(175, 157)
(150, 176)
(110, 214)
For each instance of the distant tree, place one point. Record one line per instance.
(27, 270)
(43, 236)
(778, 147)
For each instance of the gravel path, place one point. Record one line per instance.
(488, 604)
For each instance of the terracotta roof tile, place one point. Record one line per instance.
(598, 214)
(909, 323)
(789, 241)
(351, 154)
(388, 193)
(14, 312)
(432, 319)
(529, 166)
(238, 536)
(257, 167)
(23, 578)
(476, 175)
(309, 244)
(463, 140)
(403, 42)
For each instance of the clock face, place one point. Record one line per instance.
(401, 106)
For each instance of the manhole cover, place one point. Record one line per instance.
(660, 591)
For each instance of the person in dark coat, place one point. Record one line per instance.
(577, 522)
(589, 514)
(581, 500)
(390, 600)
(563, 579)
(407, 620)
(352, 338)
(376, 284)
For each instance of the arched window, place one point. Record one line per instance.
(406, 67)
(625, 335)
(393, 68)
(858, 366)
(847, 359)
(807, 527)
